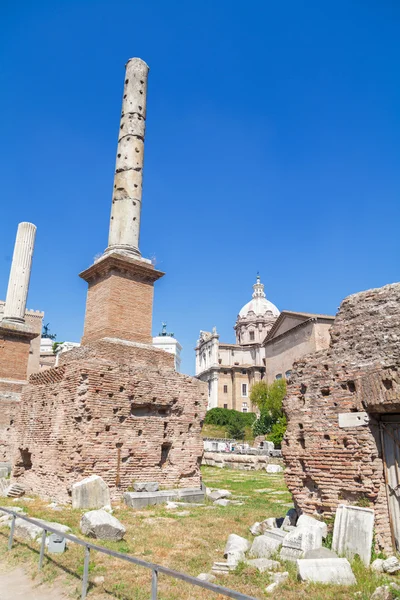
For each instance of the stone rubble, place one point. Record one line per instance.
(91, 492)
(326, 570)
(209, 577)
(391, 565)
(101, 525)
(15, 490)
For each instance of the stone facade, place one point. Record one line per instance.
(267, 344)
(336, 401)
(111, 408)
(168, 342)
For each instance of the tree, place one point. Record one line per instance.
(268, 398)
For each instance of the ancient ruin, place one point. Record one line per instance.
(342, 444)
(115, 406)
(19, 337)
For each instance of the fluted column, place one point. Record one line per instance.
(127, 193)
(20, 273)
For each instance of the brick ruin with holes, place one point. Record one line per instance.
(358, 373)
(112, 408)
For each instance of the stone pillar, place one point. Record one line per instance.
(127, 193)
(20, 273)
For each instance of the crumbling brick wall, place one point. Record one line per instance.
(115, 409)
(359, 372)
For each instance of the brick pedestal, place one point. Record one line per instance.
(120, 299)
(15, 342)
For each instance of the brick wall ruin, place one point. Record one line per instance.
(358, 373)
(112, 408)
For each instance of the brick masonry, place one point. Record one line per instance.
(115, 409)
(119, 299)
(327, 465)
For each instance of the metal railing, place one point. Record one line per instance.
(155, 569)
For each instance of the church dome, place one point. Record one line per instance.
(259, 305)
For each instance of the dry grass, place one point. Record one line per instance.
(188, 543)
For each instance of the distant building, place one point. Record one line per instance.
(170, 344)
(267, 344)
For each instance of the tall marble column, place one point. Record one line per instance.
(127, 193)
(20, 273)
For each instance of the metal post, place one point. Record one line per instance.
(42, 547)
(10, 539)
(154, 584)
(85, 573)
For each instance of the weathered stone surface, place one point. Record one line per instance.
(236, 543)
(3, 472)
(391, 565)
(15, 490)
(270, 523)
(91, 492)
(325, 464)
(263, 564)
(219, 495)
(353, 419)
(278, 579)
(326, 570)
(264, 546)
(25, 530)
(353, 532)
(142, 499)
(377, 565)
(301, 540)
(274, 469)
(4, 483)
(221, 568)
(240, 462)
(209, 577)
(101, 525)
(223, 502)
(145, 486)
(256, 528)
(306, 520)
(320, 553)
(386, 592)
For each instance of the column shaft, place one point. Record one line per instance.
(127, 193)
(20, 273)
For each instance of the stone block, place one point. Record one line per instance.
(145, 486)
(311, 522)
(353, 419)
(209, 577)
(265, 546)
(353, 532)
(391, 565)
(326, 570)
(101, 525)
(3, 472)
(219, 495)
(299, 541)
(222, 502)
(4, 484)
(91, 492)
(263, 564)
(377, 565)
(25, 530)
(221, 568)
(256, 528)
(142, 499)
(236, 543)
(270, 523)
(274, 469)
(15, 490)
(320, 553)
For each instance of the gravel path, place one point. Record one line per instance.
(17, 585)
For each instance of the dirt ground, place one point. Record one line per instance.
(15, 584)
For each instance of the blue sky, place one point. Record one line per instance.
(272, 145)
